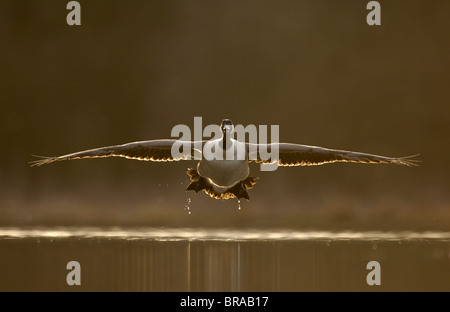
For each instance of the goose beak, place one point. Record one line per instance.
(229, 129)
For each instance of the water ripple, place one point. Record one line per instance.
(195, 234)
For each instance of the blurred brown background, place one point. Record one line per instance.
(134, 69)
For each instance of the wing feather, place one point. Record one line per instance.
(155, 150)
(305, 155)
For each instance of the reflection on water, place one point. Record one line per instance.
(118, 259)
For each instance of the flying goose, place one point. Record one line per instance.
(224, 179)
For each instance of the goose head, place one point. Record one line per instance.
(227, 127)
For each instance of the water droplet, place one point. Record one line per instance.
(187, 206)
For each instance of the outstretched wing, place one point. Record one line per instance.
(156, 150)
(304, 155)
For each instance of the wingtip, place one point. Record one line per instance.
(42, 161)
(408, 161)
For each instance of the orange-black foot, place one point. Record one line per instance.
(239, 190)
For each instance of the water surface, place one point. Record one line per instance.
(191, 259)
